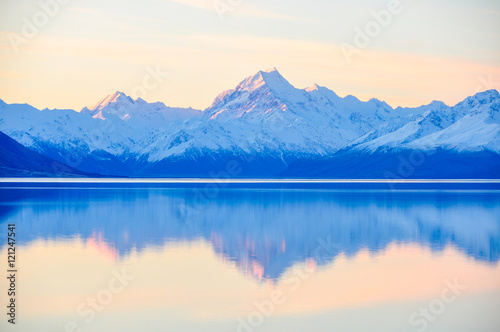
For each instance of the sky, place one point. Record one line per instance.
(72, 53)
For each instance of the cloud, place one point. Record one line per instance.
(203, 65)
(86, 11)
(221, 8)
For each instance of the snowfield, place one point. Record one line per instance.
(263, 117)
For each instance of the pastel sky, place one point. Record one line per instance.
(86, 49)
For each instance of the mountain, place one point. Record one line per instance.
(265, 124)
(94, 140)
(19, 161)
(265, 127)
(152, 114)
(472, 125)
(441, 142)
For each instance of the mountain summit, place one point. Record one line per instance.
(262, 93)
(117, 103)
(270, 78)
(117, 98)
(124, 107)
(269, 128)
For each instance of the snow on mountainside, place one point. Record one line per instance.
(92, 136)
(19, 161)
(417, 123)
(266, 114)
(472, 125)
(125, 108)
(478, 129)
(263, 117)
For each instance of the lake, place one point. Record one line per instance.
(252, 258)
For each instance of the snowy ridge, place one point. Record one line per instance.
(472, 125)
(122, 106)
(264, 116)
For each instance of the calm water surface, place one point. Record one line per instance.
(156, 259)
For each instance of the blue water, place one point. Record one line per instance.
(203, 256)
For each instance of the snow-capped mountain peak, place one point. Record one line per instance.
(117, 103)
(122, 106)
(264, 116)
(438, 103)
(480, 98)
(260, 94)
(118, 98)
(270, 78)
(313, 87)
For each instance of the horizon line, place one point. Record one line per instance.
(235, 180)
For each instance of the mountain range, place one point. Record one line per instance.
(264, 127)
(18, 160)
